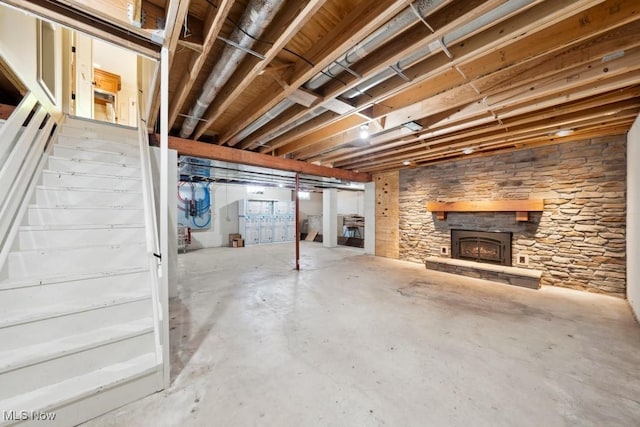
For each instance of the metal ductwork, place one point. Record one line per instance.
(392, 29)
(503, 11)
(256, 18)
(279, 108)
(400, 23)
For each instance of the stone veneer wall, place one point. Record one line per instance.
(579, 239)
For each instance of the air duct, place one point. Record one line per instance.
(400, 23)
(256, 18)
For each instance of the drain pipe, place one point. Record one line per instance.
(256, 18)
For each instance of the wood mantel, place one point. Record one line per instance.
(520, 207)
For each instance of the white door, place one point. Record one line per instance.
(84, 76)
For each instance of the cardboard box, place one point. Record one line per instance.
(232, 237)
(237, 243)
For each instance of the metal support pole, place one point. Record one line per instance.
(297, 221)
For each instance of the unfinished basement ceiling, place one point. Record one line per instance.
(431, 81)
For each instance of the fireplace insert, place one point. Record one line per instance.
(492, 247)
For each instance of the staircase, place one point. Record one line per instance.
(78, 333)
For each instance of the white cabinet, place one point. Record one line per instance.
(266, 221)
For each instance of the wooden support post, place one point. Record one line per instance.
(297, 221)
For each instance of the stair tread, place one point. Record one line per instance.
(80, 247)
(58, 311)
(75, 388)
(64, 227)
(71, 120)
(95, 150)
(86, 207)
(8, 284)
(85, 189)
(94, 175)
(96, 162)
(41, 352)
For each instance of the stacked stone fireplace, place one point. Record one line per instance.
(577, 241)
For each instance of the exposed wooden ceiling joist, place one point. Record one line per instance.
(359, 23)
(497, 75)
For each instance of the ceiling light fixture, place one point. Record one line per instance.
(468, 150)
(413, 126)
(564, 132)
(364, 131)
(406, 162)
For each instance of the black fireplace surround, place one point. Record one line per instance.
(493, 247)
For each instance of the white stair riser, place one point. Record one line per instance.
(43, 239)
(71, 261)
(52, 197)
(98, 156)
(127, 148)
(52, 371)
(76, 293)
(32, 333)
(103, 401)
(67, 165)
(96, 125)
(73, 216)
(51, 178)
(111, 134)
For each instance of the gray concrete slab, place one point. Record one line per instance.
(355, 340)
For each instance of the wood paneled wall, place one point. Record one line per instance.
(387, 214)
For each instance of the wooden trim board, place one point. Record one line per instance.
(520, 207)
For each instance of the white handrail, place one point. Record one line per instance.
(21, 170)
(151, 232)
(14, 124)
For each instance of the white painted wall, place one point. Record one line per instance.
(633, 217)
(18, 47)
(224, 213)
(351, 203)
(329, 217)
(313, 206)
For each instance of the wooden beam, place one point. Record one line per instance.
(520, 207)
(285, 26)
(495, 136)
(214, 22)
(512, 29)
(359, 23)
(449, 15)
(504, 147)
(535, 205)
(121, 33)
(233, 155)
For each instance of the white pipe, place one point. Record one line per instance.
(256, 17)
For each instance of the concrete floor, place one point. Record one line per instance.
(354, 340)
